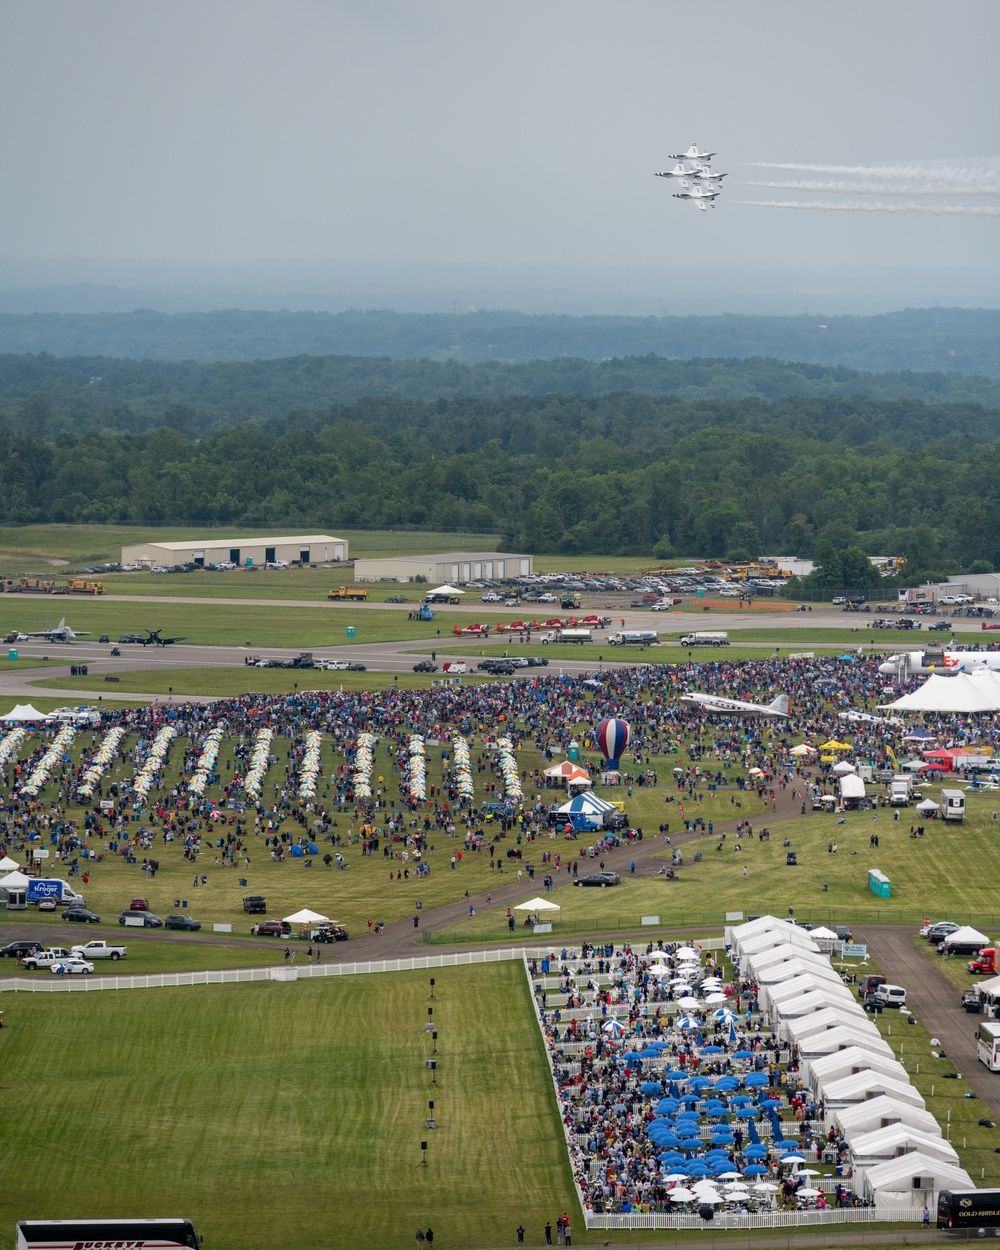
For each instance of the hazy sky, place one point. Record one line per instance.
(524, 132)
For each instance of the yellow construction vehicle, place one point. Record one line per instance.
(36, 586)
(83, 586)
(354, 594)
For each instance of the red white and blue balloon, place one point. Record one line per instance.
(612, 736)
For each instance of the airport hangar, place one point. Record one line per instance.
(451, 567)
(250, 549)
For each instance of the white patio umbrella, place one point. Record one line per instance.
(730, 1176)
(807, 1193)
(687, 952)
(673, 1177)
(680, 1194)
(715, 998)
(689, 1004)
(792, 1159)
(807, 1172)
(767, 1187)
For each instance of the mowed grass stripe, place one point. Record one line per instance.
(290, 1114)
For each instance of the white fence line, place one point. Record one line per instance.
(276, 972)
(760, 1219)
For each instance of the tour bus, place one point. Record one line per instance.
(968, 1208)
(134, 1234)
(988, 1045)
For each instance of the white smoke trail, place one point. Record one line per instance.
(875, 188)
(848, 206)
(981, 172)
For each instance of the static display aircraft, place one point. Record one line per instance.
(58, 633)
(944, 662)
(151, 638)
(714, 703)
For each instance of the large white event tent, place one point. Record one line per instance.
(737, 935)
(880, 1112)
(800, 939)
(852, 788)
(799, 1027)
(862, 1085)
(851, 1059)
(782, 970)
(891, 1184)
(803, 1004)
(965, 692)
(870, 1149)
(771, 955)
(24, 712)
(846, 1036)
(787, 991)
(964, 936)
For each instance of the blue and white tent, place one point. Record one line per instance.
(586, 811)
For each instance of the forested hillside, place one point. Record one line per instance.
(47, 394)
(947, 340)
(601, 474)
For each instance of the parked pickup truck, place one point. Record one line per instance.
(46, 958)
(99, 949)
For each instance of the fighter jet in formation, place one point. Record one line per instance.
(700, 183)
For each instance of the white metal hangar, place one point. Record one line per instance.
(249, 549)
(449, 566)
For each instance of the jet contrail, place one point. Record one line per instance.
(983, 172)
(876, 188)
(848, 206)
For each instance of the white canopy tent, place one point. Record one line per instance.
(965, 936)
(880, 1112)
(14, 881)
(305, 916)
(847, 1036)
(870, 1149)
(538, 904)
(24, 712)
(773, 996)
(802, 1005)
(965, 692)
(862, 1085)
(776, 955)
(736, 935)
(851, 1059)
(892, 1186)
(831, 1017)
(772, 938)
(8, 865)
(852, 788)
(446, 590)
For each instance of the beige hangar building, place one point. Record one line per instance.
(249, 549)
(451, 567)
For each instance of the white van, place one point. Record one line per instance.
(889, 996)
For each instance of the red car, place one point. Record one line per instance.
(272, 928)
(139, 904)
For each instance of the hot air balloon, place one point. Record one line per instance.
(612, 736)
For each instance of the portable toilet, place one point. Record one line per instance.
(12, 654)
(351, 631)
(573, 751)
(952, 805)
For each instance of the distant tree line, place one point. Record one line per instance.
(602, 474)
(48, 395)
(946, 340)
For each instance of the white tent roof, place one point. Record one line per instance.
(8, 865)
(446, 590)
(588, 802)
(886, 1142)
(305, 916)
(823, 934)
(990, 987)
(870, 1115)
(798, 938)
(831, 1017)
(855, 1058)
(804, 1004)
(806, 983)
(24, 711)
(763, 924)
(14, 881)
(965, 935)
(896, 1175)
(538, 904)
(784, 952)
(852, 787)
(965, 692)
(785, 970)
(859, 1086)
(848, 1035)
(843, 767)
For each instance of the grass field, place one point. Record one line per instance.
(237, 681)
(289, 1115)
(173, 952)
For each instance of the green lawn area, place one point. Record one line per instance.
(291, 1114)
(147, 953)
(238, 680)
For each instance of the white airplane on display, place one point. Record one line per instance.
(59, 633)
(944, 662)
(736, 707)
(692, 154)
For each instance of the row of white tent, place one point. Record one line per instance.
(898, 1154)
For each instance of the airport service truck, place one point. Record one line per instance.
(705, 638)
(579, 636)
(634, 638)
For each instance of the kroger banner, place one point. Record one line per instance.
(44, 888)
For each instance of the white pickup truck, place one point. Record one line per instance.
(46, 958)
(99, 949)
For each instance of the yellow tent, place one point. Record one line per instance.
(834, 745)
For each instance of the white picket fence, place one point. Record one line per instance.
(278, 972)
(761, 1219)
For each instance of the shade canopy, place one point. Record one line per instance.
(538, 904)
(305, 916)
(23, 712)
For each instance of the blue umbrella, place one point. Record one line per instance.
(649, 1052)
(699, 1082)
(746, 1113)
(787, 1144)
(711, 1050)
(722, 1165)
(756, 1079)
(650, 1087)
(715, 1106)
(732, 1030)
(770, 1102)
(755, 1169)
(696, 1167)
(675, 1076)
(742, 1054)
(756, 1152)
(725, 1083)
(691, 1143)
(724, 1135)
(631, 1056)
(666, 1106)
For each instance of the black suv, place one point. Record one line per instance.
(255, 905)
(17, 950)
